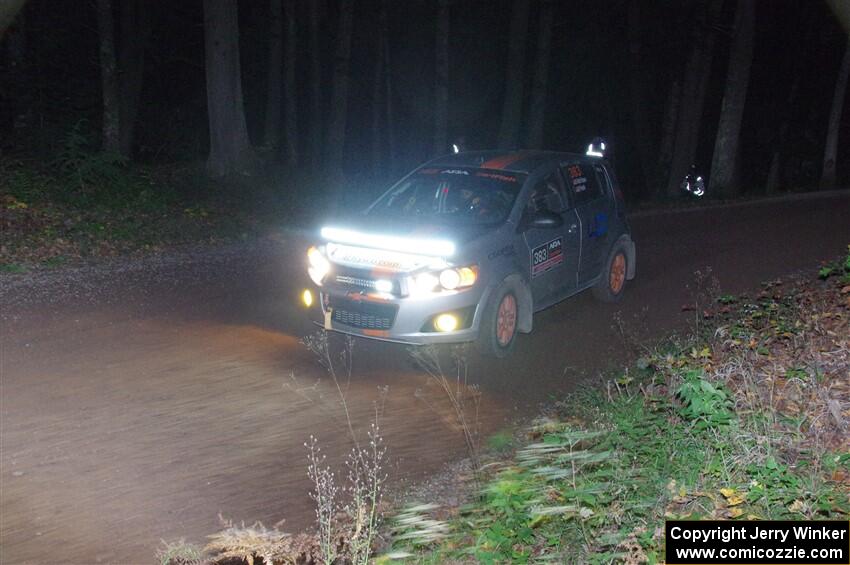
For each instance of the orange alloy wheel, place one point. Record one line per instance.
(506, 320)
(617, 276)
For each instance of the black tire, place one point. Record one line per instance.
(610, 286)
(489, 343)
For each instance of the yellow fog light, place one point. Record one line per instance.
(446, 322)
(307, 298)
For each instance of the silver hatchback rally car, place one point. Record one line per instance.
(469, 246)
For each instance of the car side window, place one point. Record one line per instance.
(582, 182)
(547, 194)
(603, 179)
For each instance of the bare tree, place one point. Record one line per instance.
(830, 153)
(668, 130)
(230, 148)
(842, 11)
(690, 109)
(15, 84)
(540, 85)
(388, 84)
(135, 31)
(515, 78)
(378, 92)
(339, 96)
(275, 75)
(774, 172)
(722, 180)
(383, 131)
(643, 133)
(290, 98)
(108, 76)
(775, 175)
(316, 118)
(8, 10)
(441, 78)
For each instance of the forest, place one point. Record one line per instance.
(751, 93)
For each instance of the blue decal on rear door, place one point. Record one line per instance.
(547, 256)
(599, 227)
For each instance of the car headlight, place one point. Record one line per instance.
(424, 283)
(447, 279)
(459, 277)
(318, 265)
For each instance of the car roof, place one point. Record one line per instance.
(521, 161)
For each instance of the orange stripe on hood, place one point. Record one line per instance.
(500, 163)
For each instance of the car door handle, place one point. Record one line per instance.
(572, 228)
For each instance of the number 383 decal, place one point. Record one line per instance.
(547, 256)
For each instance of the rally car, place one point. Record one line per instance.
(469, 246)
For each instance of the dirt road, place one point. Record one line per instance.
(140, 399)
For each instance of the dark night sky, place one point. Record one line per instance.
(589, 73)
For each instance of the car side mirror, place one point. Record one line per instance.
(545, 219)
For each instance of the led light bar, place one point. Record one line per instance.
(431, 247)
(591, 151)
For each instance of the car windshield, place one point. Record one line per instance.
(452, 196)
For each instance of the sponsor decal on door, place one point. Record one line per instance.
(547, 256)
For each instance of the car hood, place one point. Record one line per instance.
(459, 235)
(401, 247)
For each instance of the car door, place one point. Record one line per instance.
(553, 253)
(593, 206)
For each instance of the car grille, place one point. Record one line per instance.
(363, 315)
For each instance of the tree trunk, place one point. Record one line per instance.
(275, 76)
(388, 86)
(540, 85)
(290, 85)
(339, 100)
(135, 31)
(377, 95)
(841, 9)
(8, 10)
(230, 148)
(830, 153)
(108, 77)
(774, 173)
(668, 131)
(722, 180)
(316, 121)
(697, 74)
(775, 176)
(16, 85)
(640, 121)
(515, 78)
(441, 75)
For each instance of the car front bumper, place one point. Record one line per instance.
(400, 319)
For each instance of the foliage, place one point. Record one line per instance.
(85, 203)
(740, 425)
(348, 529)
(414, 528)
(703, 402)
(464, 397)
(248, 543)
(839, 269)
(179, 553)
